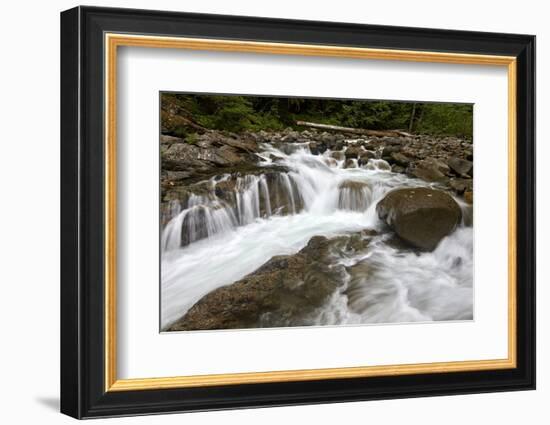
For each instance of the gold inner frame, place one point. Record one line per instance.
(113, 41)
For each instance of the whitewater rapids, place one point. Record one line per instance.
(237, 239)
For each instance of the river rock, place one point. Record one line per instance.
(284, 196)
(377, 164)
(389, 150)
(354, 195)
(398, 168)
(461, 185)
(353, 152)
(350, 163)
(317, 148)
(365, 155)
(166, 139)
(462, 167)
(420, 216)
(338, 155)
(285, 291)
(290, 135)
(400, 159)
(430, 170)
(331, 162)
(209, 152)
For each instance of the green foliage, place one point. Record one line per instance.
(446, 119)
(254, 113)
(192, 139)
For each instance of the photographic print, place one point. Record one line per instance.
(289, 211)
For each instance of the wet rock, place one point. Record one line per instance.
(393, 141)
(461, 185)
(332, 140)
(285, 291)
(275, 158)
(284, 197)
(469, 197)
(420, 216)
(243, 145)
(174, 178)
(364, 156)
(223, 157)
(338, 155)
(388, 151)
(166, 139)
(350, 163)
(209, 152)
(437, 164)
(290, 136)
(430, 169)
(377, 164)
(462, 167)
(397, 168)
(353, 152)
(397, 243)
(180, 156)
(331, 162)
(276, 193)
(354, 196)
(194, 225)
(400, 159)
(316, 148)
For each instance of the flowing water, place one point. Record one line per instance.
(216, 239)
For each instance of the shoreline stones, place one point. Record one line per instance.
(199, 156)
(420, 216)
(462, 167)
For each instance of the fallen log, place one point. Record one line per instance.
(362, 131)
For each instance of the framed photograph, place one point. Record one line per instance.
(261, 212)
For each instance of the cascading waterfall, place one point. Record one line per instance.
(217, 238)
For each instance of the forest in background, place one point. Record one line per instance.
(255, 113)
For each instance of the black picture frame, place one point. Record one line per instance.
(83, 392)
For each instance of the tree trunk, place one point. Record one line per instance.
(411, 122)
(363, 131)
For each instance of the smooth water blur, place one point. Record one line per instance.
(383, 284)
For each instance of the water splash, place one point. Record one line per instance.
(217, 238)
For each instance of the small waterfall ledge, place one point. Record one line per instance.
(237, 222)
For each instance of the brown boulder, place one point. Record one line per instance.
(420, 216)
(285, 291)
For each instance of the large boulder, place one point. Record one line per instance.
(285, 291)
(420, 216)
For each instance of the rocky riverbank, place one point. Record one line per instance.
(384, 205)
(187, 163)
